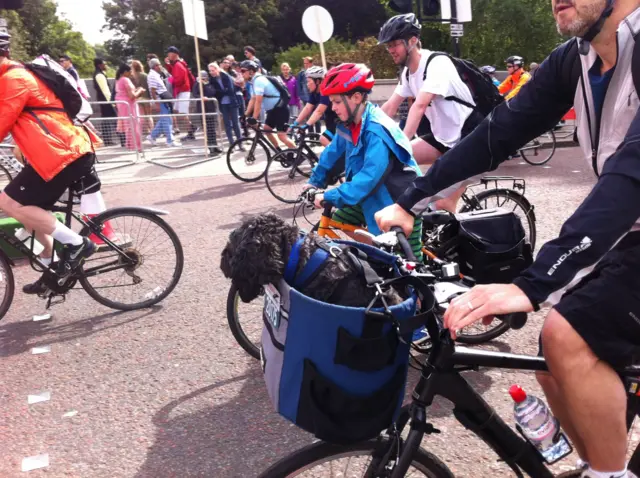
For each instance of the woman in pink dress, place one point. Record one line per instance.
(128, 93)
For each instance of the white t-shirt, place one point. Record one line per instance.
(446, 117)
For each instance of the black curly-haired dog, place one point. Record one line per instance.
(258, 251)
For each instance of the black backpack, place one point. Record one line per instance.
(285, 97)
(70, 97)
(485, 94)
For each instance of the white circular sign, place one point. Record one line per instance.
(317, 24)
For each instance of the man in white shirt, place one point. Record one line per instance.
(430, 78)
(158, 91)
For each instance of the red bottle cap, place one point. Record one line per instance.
(517, 393)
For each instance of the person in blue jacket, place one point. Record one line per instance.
(379, 164)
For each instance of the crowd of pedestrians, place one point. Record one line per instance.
(141, 93)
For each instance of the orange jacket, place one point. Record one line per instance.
(48, 139)
(513, 83)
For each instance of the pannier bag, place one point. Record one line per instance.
(492, 247)
(338, 372)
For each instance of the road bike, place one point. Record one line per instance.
(138, 263)
(249, 157)
(540, 150)
(397, 452)
(290, 169)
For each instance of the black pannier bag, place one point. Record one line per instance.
(491, 246)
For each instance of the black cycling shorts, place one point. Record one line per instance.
(277, 118)
(29, 189)
(604, 307)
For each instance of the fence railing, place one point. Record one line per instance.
(156, 132)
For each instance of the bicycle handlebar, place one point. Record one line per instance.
(404, 244)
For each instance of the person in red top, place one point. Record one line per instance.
(182, 84)
(59, 154)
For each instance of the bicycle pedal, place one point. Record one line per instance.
(52, 300)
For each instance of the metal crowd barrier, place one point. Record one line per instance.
(126, 135)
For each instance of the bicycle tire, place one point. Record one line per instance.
(112, 215)
(530, 159)
(319, 452)
(273, 177)
(233, 299)
(521, 201)
(8, 279)
(247, 143)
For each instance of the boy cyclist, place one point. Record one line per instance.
(379, 163)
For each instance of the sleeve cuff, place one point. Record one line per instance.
(410, 198)
(524, 285)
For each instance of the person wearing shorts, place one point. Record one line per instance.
(265, 96)
(59, 154)
(182, 85)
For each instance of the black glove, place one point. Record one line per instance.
(252, 121)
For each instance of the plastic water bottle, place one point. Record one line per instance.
(24, 236)
(538, 425)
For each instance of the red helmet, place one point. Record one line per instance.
(347, 78)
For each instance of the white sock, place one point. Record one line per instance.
(48, 260)
(92, 203)
(65, 235)
(591, 473)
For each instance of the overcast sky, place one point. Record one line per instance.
(87, 18)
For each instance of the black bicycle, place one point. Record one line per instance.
(392, 455)
(138, 262)
(249, 157)
(290, 169)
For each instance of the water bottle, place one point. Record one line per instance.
(539, 425)
(25, 237)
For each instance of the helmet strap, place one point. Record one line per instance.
(352, 114)
(585, 42)
(409, 50)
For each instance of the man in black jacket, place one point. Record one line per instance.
(103, 93)
(209, 95)
(589, 274)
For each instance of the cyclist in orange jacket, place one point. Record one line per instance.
(516, 79)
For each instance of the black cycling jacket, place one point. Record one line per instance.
(606, 215)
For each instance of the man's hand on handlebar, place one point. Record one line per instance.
(392, 216)
(485, 302)
(251, 121)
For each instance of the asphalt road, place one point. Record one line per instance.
(166, 392)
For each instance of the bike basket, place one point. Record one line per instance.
(492, 246)
(337, 372)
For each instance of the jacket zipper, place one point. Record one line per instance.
(39, 121)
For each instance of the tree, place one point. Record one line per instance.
(353, 20)
(36, 30)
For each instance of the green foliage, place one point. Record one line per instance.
(36, 30)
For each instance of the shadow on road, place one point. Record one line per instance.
(19, 337)
(216, 192)
(239, 438)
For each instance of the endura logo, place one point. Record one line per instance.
(585, 244)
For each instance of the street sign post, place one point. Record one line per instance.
(195, 24)
(317, 24)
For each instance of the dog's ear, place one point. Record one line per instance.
(255, 253)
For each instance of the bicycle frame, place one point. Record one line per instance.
(440, 375)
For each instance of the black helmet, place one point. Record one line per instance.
(249, 65)
(488, 69)
(515, 60)
(400, 27)
(5, 41)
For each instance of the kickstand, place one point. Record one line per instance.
(51, 300)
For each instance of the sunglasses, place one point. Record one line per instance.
(243, 71)
(510, 66)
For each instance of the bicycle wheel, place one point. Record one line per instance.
(540, 150)
(147, 270)
(324, 460)
(285, 177)
(239, 313)
(510, 200)
(248, 159)
(7, 285)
